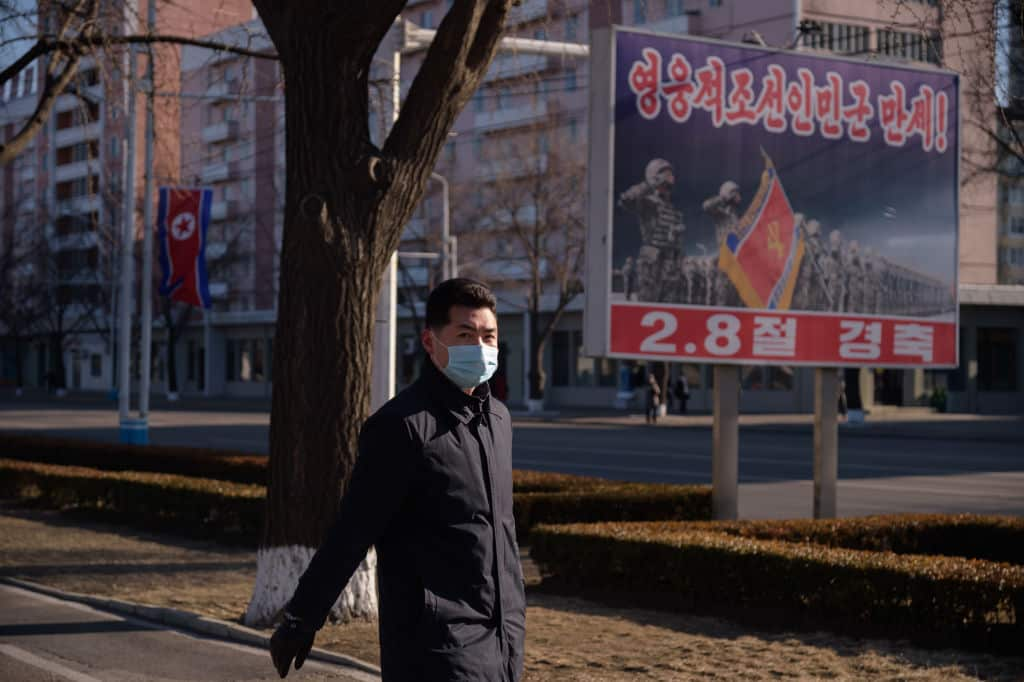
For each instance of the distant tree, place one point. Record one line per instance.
(534, 207)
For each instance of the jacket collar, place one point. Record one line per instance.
(463, 407)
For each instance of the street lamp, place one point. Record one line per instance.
(449, 267)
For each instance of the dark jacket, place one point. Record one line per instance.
(432, 490)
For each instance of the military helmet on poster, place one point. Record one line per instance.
(813, 228)
(655, 174)
(729, 190)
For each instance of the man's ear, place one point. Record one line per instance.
(427, 339)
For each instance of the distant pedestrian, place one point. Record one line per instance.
(653, 399)
(682, 392)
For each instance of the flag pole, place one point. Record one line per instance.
(147, 247)
(124, 330)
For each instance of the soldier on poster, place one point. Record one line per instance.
(661, 230)
(724, 209)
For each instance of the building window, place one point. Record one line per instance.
(714, 3)
(573, 130)
(560, 359)
(570, 81)
(478, 148)
(997, 359)
(673, 8)
(766, 378)
(427, 19)
(639, 11)
(96, 365)
(245, 360)
(1012, 256)
(478, 102)
(572, 25)
(504, 98)
(115, 147)
(449, 152)
(1017, 225)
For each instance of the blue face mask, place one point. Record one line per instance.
(470, 366)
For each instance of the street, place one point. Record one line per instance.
(930, 465)
(43, 639)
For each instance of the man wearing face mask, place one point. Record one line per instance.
(432, 490)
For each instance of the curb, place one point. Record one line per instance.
(203, 625)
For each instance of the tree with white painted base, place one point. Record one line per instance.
(346, 202)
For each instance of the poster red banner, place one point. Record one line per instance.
(770, 337)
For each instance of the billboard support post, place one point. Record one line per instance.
(725, 443)
(826, 441)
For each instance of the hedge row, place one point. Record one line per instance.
(222, 510)
(667, 501)
(228, 510)
(992, 538)
(222, 465)
(937, 600)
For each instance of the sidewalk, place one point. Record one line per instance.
(568, 639)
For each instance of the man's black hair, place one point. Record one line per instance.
(458, 291)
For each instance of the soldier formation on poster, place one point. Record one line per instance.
(836, 274)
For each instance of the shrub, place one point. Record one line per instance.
(202, 462)
(938, 600)
(221, 510)
(571, 498)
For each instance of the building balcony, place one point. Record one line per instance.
(223, 210)
(529, 10)
(75, 242)
(220, 132)
(219, 171)
(513, 168)
(78, 169)
(215, 250)
(68, 136)
(512, 117)
(514, 65)
(77, 205)
(678, 25)
(222, 90)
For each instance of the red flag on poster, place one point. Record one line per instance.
(763, 258)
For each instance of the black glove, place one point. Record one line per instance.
(292, 640)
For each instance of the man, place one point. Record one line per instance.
(661, 228)
(432, 490)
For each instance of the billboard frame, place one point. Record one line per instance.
(600, 210)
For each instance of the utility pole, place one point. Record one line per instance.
(147, 244)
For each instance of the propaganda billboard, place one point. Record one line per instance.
(753, 205)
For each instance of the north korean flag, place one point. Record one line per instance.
(183, 217)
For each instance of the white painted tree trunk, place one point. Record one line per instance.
(278, 570)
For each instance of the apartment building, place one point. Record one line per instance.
(530, 117)
(63, 199)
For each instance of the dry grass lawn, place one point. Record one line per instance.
(568, 639)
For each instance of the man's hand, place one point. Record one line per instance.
(292, 640)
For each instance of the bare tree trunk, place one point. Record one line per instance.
(537, 376)
(329, 281)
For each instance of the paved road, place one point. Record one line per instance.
(45, 639)
(950, 466)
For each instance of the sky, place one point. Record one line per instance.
(12, 27)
